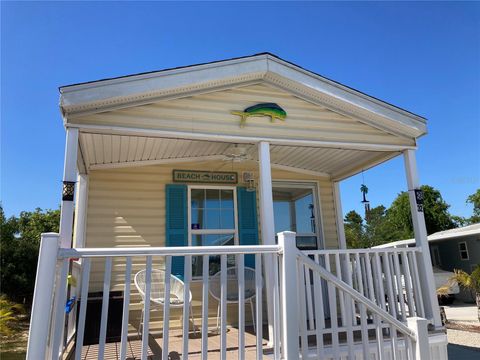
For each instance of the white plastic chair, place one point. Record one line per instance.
(232, 289)
(157, 290)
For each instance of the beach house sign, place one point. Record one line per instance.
(217, 177)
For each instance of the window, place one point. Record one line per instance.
(462, 247)
(212, 219)
(436, 256)
(295, 209)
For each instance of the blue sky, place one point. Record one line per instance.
(424, 57)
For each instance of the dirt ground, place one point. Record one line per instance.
(14, 347)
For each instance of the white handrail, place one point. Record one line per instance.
(170, 251)
(362, 251)
(356, 295)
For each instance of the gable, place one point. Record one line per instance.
(210, 113)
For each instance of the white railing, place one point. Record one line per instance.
(53, 346)
(388, 277)
(328, 304)
(342, 305)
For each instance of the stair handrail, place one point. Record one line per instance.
(343, 286)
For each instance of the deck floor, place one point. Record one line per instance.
(134, 347)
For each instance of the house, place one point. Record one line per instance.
(225, 177)
(450, 249)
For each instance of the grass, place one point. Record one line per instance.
(13, 330)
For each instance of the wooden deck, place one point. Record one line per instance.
(134, 347)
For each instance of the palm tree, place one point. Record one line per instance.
(470, 282)
(364, 189)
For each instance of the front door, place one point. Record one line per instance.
(296, 208)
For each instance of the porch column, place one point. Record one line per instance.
(342, 242)
(81, 203)
(267, 224)
(425, 264)
(68, 189)
(81, 210)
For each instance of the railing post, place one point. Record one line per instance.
(43, 297)
(289, 291)
(421, 350)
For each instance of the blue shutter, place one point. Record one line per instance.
(176, 223)
(247, 221)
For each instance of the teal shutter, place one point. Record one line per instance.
(247, 221)
(176, 223)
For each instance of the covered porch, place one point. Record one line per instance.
(162, 174)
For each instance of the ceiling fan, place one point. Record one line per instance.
(236, 153)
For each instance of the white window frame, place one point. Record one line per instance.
(315, 187)
(466, 250)
(212, 231)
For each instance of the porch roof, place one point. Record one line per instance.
(185, 114)
(103, 151)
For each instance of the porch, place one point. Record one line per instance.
(326, 304)
(261, 195)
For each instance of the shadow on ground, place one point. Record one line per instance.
(461, 352)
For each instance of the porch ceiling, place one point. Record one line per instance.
(100, 151)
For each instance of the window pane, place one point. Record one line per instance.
(463, 246)
(212, 199)
(198, 218)
(294, 210)
(304, 216)
(213, 219)
(227, 219)
(226, 198)
(211, 240)
(198, 198)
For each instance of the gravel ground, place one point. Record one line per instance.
(465, 338)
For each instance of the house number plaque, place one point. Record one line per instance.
(217, 177)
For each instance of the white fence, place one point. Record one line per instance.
(326, 304)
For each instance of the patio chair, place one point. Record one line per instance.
(157, 296)
(232, 289)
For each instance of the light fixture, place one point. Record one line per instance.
(68, 190)
(249, 178)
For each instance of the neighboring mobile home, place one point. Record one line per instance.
(450, 249)
(187, 172)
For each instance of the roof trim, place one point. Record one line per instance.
(132, 90)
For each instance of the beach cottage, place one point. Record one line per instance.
(201, 217)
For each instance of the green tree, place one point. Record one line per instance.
(378, 228)
(20, 240)
(474, 199)
(437, 217)
(354, 230)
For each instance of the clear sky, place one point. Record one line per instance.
(424, 57)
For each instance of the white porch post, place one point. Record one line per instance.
(69, 179)
(81, 203)
(81, 211)
(267, 224)
(342, 242)
(425, 264)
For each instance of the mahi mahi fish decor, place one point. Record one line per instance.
(272, 110)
